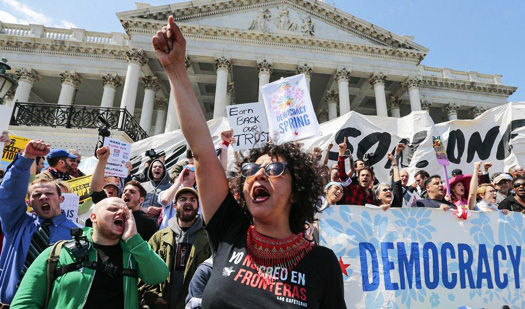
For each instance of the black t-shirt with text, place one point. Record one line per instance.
(316, 281)
(106, 291)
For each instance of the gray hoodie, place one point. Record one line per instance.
(154, 188)
(181, 237)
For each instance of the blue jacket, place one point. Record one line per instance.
(19, 226)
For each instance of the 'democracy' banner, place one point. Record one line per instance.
(427, 258)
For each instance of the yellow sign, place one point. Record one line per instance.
(18, 144)
(80, 186)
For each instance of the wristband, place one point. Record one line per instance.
(225, 143)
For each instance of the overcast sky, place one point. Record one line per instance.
(485, 36)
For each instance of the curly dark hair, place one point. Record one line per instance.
(306, 182)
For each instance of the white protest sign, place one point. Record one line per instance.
(70, 206)
(249, 124)
(289, 109)
(119, 155)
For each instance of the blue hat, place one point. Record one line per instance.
(60, 153)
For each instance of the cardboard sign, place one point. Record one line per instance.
(70, 206)
(18, 144)
(80, 186)
(119, 155)
(249, 124)
(289, 109)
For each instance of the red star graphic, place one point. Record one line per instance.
(343, 266)
(296, 133)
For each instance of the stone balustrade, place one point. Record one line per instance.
(79, 35)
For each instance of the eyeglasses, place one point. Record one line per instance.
(191, 168)
(519, 184)
(387, 189)
(273, 169)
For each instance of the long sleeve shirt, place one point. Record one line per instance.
(19, 226)
(354, 194)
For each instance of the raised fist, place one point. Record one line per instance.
(170, 46)
(4, 137)
(36, 148)
(103, 153)
(226, 136)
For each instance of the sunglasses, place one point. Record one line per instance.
(273, 169)
(519, 184)
(191, 168)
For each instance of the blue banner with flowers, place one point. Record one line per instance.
(427, 258)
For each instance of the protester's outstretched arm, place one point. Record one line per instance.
(341, 162)
(226, 140)
(473, 186)
(186, 178)
(97, 180)
(324, 161)
(170, 48)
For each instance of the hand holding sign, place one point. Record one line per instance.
(36, 148)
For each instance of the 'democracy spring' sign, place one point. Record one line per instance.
(289, 109)
(427, 258)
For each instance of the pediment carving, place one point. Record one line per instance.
(283, 20)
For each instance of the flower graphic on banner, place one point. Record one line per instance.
(415, 223)
(434, 300)
(288, 96)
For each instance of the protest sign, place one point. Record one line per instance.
(289, 110)
(18, 144)
(70, 206)
(249, 124)
(80, 186)
(426, 258)
(119, 155)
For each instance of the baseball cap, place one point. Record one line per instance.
(501, 177)
(60, 153)
(186, 190)
(113, 185)
(457, 172)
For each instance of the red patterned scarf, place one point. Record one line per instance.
(271, 252)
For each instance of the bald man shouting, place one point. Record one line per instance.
(105, 276)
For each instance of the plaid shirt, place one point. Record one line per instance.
(353, 194)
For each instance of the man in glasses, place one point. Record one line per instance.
(184, 234)
(74, 163)
(516, 202)
(503, 184)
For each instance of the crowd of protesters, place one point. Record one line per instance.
(150, 237)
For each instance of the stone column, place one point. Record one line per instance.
(26, 77)
(478, 110)
(111, 82)
(160, 123)
(307, 71)
(452, 111)
(151, 86)
(172, 122)
(394, 106)
(413, 84)
(70, 82)
(136, 59)
(341, 76)
(331, 100)
(264, 69)
(378, 81)
(223, 66)
(230, 93)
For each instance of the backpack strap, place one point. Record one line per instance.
(52, 262)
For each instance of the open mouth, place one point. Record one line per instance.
(260, 194)
(126, 199)
(188, 208)
(119, 222)
(45, 207)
